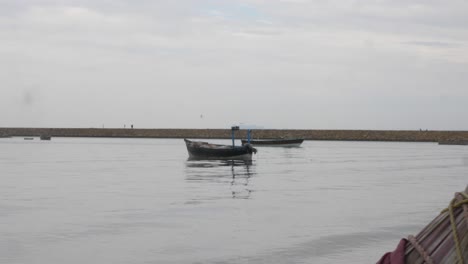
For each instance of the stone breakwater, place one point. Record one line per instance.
(347, 135)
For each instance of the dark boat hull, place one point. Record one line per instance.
(453, 142)
(204, 150)
(275, 142)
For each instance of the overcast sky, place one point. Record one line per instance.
(292, 64)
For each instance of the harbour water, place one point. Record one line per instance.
(108, 200)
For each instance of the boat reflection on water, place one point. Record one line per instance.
(233, 173)
(212, 163)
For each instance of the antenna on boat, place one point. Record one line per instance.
(233, 129)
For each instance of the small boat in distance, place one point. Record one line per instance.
(280, 142)
(45, 137)
(294, 142)
(205, 150)
(454, 142)
(28, 138)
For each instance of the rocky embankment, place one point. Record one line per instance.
(347, 135)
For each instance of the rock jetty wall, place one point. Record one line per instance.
(347, 135)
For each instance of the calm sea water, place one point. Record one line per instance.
(79, 200)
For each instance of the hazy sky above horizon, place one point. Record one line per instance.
(291, 64)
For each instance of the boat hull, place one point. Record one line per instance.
(204, 150)
(275, 142)
(454, 142)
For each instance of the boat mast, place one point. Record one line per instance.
(233, 129)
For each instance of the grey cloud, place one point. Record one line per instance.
(432, 44)
(28, 98)
(304, 63)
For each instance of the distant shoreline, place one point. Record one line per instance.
(307, 134)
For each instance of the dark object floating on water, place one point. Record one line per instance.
(205, 150)
(294, 142)
(443, 241)
(453, 142)
(281, 142)
(44, 137)
(28, 138)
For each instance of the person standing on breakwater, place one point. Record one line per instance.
(132, 126)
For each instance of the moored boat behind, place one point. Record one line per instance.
(278, 142)
(295, 142)
(454, 142)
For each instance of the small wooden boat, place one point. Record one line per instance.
(280, 142)
(294, 142)
(205, 150)
(45, 137)
(454, 142)
(442, 241)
